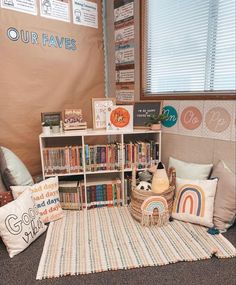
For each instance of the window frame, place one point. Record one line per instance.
(201, 95)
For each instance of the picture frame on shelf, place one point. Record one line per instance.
(143, 110)
(51, 118)
(99, 110)
(73, 120)
(119, 117)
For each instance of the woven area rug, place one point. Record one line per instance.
(107, 238)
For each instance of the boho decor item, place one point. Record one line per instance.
(149, 208)
(160, 181)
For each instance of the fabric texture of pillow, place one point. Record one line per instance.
(13, 170)
(188, 170)
(225, 199)
(194, 201)
(20, 224)
(46, 198)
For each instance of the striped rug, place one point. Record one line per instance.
(104, 239)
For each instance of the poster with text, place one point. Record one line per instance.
(55, 9)
(85, 13)
(124, 54)
(124, 34)
(123, 10)
(25, 6)
(125, 93)
(126, 75)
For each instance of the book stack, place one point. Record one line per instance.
(69, 159)
(101, 193)
(141, 154)
(62, 160)
(69, 195)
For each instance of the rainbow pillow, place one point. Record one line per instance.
(194, 201)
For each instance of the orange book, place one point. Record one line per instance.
(109, 195)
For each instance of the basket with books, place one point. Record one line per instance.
(149, 208)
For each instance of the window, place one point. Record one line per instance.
(188, 48)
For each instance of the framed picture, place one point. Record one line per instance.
(143, 110)
(51, 118)
(73, 120)
(99, 107)
(119, 117)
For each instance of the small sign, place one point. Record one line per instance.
(143, 110)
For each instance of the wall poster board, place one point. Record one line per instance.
(124, 49)
(143, 110)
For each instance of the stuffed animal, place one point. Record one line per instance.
(145, 176)
(145, 186)
(160, 181)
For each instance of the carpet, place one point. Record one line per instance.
(108, 238)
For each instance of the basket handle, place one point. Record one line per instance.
(172, 176)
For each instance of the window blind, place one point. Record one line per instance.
(188, 45)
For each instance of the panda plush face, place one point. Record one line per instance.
(145, 186)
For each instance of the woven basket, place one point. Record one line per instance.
(139, 196)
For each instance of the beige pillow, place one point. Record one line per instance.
(225, 199)
(188, 170)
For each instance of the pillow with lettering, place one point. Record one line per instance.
(46, 198)
(194, 201)
(20, 223)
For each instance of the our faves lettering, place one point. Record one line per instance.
(46, 40)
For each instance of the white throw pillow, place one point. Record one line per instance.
(20, 223)
(46, 198)
(187, 170)
(194, 201)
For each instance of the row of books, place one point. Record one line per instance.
(141, 154)
(73, 195)
(69, 159)
(62, 160)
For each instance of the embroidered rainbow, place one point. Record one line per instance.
(190, 199)
(154, 202)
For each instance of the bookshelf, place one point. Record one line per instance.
(82, 159)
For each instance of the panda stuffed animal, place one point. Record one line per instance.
(144, 186)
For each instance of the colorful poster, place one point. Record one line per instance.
(85, 13)
(119, 118)
(55, 9)
(24, 6)
(124, 10)
(172, 114)
(209, 119)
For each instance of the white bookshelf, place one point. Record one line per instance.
(92, 138)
